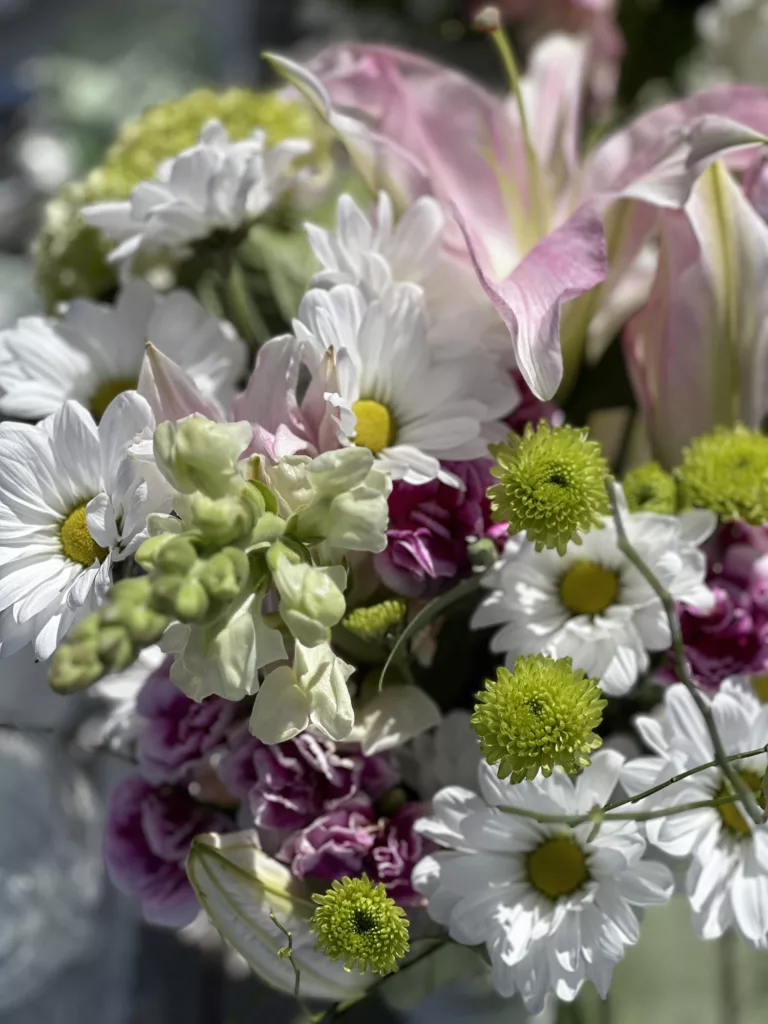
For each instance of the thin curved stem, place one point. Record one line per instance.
(597, 815)
(683, 775)
(739, 786)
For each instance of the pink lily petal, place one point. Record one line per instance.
(665, 344)
(563, 266)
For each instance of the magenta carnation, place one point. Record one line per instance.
(350, 841)
(732, 638)
(148, 835)
(178, 734)
(430, 525)
(288, 785)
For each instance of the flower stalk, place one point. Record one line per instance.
(740, 788)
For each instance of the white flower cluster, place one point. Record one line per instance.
(172, 501)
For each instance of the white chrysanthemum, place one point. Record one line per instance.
(592, 604)
(215, 185)
(552, 906)
(71, 505)
(396, 398)
(727, 880)
(94, 351)
(373, 252)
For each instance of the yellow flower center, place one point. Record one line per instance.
(557, 867)
(76, 542)
(105, 392)
(588, 589)
(760, 686)
(375, 425)
(733, 819)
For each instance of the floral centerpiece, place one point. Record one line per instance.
(297, 480)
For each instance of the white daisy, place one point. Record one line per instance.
(94, 351)
(372, 252)
(410, 408)
(727, 880)
(71, 505)
(214, 185)
(553, 906)
(592, 604)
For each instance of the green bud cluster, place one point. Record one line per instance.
(188, 587)
(227, 545)
(110, 639)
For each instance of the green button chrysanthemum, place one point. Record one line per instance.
(551, 485)
(539, 715)
(649, 488)
(377, 622)
(727, 471)
(356, 921)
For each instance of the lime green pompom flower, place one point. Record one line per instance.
(551, 485)
(358, 923)
(540, 715)
(649, 488)
(726, 471)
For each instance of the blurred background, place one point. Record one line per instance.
(71, 949)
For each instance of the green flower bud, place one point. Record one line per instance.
(192, 602)
(311, 600)
(131, 592)
(75, 665)
(177, 556)
(116, 648)
(222, 520)
(224, 574)
(197, 454)
(145, 625)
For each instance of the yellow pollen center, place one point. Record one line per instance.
(375, 426)
(76, 542)
(588, 589)
(105, 392)
(557, 867)
(731, 815)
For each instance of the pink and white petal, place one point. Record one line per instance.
(170, 391)
(567, 263)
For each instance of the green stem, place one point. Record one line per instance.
(739, 786)
(538, 206)
(597, 815)
(683, 775)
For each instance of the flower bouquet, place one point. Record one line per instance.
(297, 480)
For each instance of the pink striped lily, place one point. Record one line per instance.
(548, 231)
(698, 351)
